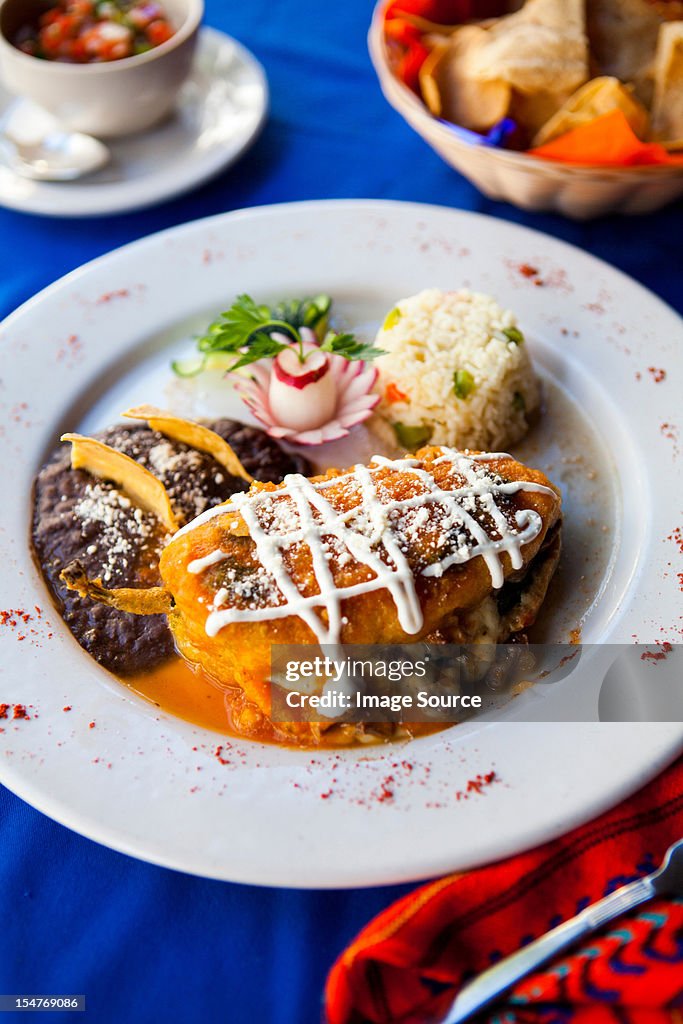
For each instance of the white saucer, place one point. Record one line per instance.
(220, 112)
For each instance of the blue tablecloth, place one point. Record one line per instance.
(143, 943)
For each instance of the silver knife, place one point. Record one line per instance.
(494, 982)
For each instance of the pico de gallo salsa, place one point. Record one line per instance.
(94, 31)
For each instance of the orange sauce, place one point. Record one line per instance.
(189, 693)
(183, 691)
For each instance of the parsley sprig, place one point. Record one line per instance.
(250, 332)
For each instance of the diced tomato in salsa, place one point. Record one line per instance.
(92, 31)
(158, 32)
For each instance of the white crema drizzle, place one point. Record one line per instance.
(367, 532)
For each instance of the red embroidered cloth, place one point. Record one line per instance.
(406, 966)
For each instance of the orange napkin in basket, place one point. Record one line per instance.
(406, 966)
(608, 141)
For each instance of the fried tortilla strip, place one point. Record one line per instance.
(137, 601)
(141, 486)
(667, 108)
(195, 435)
(388, 553)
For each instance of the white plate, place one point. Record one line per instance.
(220, 112)
(151, 785)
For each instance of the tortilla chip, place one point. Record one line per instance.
(193, 434)
(670, 10)
(141, 486)
(532, 110)
(541, 48)
(593, 99)
(623, 39)
(667, 107)
(451, 93)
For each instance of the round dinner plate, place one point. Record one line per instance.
(114, 767)
(220, 112)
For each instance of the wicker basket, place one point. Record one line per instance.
(526, 181)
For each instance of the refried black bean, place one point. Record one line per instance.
(76, 516)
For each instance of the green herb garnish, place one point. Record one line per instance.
(260, 346)
(518, 402)
(238, 326)
(463, 383)
(412, 437)
(251, 332)
(348, 346)
(514, 334)
(311, 313)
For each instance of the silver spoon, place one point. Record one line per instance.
(485, 989)
(58, 156)
(34, 145)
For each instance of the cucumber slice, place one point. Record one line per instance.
(220, 361)
(188, 367)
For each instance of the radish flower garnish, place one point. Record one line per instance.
(306, 383)
(302, 396)
(355, 400)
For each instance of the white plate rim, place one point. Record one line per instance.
(659, 744)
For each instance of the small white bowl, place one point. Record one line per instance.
(108, 99)
(527, 181)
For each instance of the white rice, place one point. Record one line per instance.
(431, 337)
